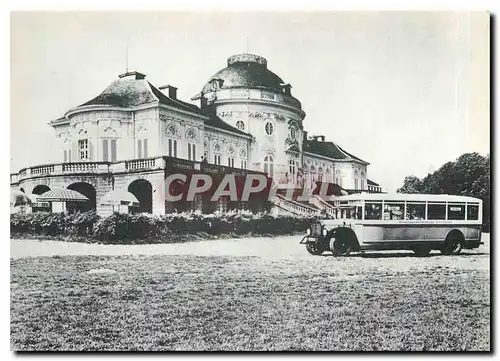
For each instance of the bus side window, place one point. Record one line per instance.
(373, 210)
(472, 212)
(456, 212)
(415, 211)
(436, 211)
(394, 211)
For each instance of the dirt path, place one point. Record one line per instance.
(284, 248)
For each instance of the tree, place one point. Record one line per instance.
(411, 184)
(469, 176)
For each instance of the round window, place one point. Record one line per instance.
(240, 125)
(269, 128)
(293, 133)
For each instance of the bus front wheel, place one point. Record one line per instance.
(314, 249)
(339, 247)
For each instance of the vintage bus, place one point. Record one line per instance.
(417, 222)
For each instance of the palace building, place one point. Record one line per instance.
(244, 120)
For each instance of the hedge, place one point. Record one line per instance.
(145, 228)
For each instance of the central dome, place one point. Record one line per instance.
(246, 71)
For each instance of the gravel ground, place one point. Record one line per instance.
(280, 248)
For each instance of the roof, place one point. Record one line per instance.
(215, 121)
(133, 90)
(372, 183)
(407, 197)
(328, 149)
(124, 92)
(62, 195)
(176, 103)
(246, 71)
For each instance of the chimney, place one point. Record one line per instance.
(172, 91)
(318, 138)
(203, 101)
(132, 75)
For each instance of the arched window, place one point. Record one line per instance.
(291, 167)
(293, 133)
(269, 166)
(243, 159)
(313, 174)
(328, 174)
(320, 174)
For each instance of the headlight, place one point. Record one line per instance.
(308, 231)
(324, 232)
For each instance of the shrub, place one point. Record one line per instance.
(146, 228)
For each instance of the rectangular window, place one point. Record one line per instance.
(456, 212)
(393, 211)
(217, 159)
(191, 151)
(230, 162)
(145, 144)
(139, 148)
(65, 156)
(355, 184)
(472, 212)
(243, 164)
(436, 211)
(415, 211)
(172, 148)
(69, 155)
(359, 212)
(113, 150)
(105, 150)
(83, 146)
(373, 210)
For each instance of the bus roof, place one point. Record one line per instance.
(406, 197)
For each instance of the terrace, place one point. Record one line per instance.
(168, 164)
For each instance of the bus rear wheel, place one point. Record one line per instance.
(339, 247)
(314, 249)
(421, 251)
(453, 244)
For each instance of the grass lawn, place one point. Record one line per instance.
(188, 302)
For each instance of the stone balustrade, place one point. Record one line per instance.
(88, 167)
(41, 170)
(323, 205)
(144, 164)
(292, 206)
(133, 165)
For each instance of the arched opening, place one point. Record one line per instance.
(88, 191)
(41, 206)
(40, 189)
(269, 166)
(143, 190)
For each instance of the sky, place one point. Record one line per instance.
(405, 91)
